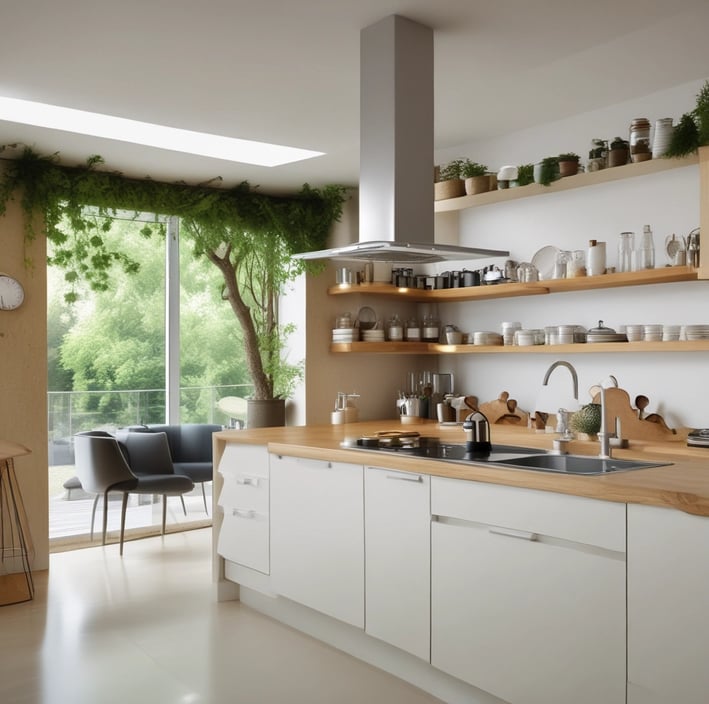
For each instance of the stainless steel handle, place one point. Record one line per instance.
(512, 533)
(406, 478)
(246, 480)
(243, 512)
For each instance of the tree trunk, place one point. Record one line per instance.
(263, 386)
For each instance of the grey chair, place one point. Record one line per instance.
(102, 468)
(190, 449)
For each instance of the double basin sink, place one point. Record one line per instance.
(576, 464)
(513, 457)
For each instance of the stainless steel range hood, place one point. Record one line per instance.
(396, 150)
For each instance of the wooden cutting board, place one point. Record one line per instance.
(504, 410)
(618, 405)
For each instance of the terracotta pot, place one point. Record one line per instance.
(618, 157)
(568, 168)
(266, 413)
(477, 184)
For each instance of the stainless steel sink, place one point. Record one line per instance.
(576, 464)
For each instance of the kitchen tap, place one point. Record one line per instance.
(563, 413)
(604, 437)
(574, 376)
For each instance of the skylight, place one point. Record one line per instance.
(150, 135)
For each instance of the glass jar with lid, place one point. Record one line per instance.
(640, 149)
(431, 329)
(395, 330)
(412, 330)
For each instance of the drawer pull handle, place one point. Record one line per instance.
(243, 513)
(248, 481)
(511, 533)
(405, 477)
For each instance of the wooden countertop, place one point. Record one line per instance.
(683, 485)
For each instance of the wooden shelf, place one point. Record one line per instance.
(668, 274)
(593, 178)
(419, 348)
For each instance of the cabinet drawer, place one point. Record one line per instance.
(244, 538)
(575, 518)
(245, 478)
(245, 491)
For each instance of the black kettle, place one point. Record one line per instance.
(477, 435)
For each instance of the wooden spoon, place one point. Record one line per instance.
(641, 402)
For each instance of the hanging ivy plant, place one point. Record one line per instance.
(249, 236)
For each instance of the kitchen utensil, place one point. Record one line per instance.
(544, 261)
(641, 403)
(366, 318)
(477, 434)
(605, 334)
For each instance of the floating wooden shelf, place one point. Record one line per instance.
(668, 274)
(616, 173)
(419, 348)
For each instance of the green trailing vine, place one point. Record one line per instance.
(248, 235)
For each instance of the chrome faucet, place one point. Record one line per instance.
(604, 437)
(560, 445)
(574, 376)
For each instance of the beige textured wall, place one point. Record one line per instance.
(23, 373)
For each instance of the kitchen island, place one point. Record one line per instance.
(477, 583)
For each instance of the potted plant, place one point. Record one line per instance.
(692, 130)
(568, 164)
(476, 177)
(546, 170)
(619, 152)
(448, 182)
(525, 174)
(249, 236)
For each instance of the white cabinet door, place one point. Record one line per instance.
(317, 535)
(530, 617)
(397, 520)
(668, 606)
(244, 500)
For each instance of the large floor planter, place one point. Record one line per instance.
(267, 413)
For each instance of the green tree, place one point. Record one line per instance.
(117, 339)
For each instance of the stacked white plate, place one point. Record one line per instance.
(345, 334)
(483, 337)
(697, 332)
(373, 335)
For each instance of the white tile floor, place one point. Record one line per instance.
(145, 629)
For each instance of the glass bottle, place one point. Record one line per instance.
(626, 245)
(645, 251)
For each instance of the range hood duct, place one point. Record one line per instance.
(396, 215)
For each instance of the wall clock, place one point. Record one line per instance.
(11, 293)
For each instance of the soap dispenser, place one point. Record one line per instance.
(477, 435)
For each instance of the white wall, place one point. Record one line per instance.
(675, 383)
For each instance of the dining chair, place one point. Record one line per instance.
(103, 467)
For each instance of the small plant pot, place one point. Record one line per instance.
(618, 157)
(568, 168)
(453, 188)
(477, 184)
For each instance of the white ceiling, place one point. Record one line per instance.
(287, 71)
